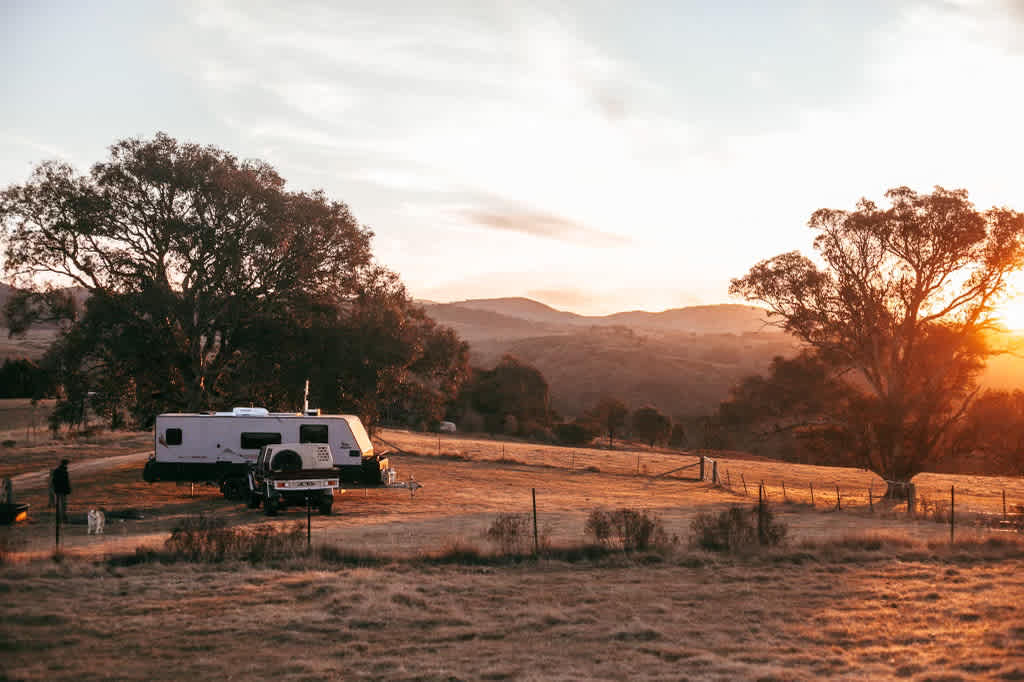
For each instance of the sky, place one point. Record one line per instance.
(596, 156)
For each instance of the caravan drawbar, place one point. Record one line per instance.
(220, 447)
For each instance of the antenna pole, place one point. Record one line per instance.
(305, 398)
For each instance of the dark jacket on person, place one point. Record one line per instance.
(61, 482)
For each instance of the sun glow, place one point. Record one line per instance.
(1011, 311)
(1011, 314)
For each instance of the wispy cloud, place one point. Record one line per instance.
(540, 224)
(693, 157)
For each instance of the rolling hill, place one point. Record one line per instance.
(682, 361)
(708, 319)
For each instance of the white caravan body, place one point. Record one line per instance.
(235, 438)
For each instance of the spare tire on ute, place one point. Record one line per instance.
(286, 461)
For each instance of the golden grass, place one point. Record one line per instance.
(784, 482)
(460, 500)
(408, 588)
(551, 620)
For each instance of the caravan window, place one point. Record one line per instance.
(313, 433)
(172, 436)
(256, 440)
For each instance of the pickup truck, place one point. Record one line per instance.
(293, 474)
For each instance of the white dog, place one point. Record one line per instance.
(96, 521)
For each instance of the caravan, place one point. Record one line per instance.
(219, 447)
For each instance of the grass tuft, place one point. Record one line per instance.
(737, 529)
(628, 529)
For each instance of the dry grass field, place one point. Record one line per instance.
(853, 594)
(618, 619)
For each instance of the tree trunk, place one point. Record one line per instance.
(897, 490)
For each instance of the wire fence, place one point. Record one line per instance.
(980, 501)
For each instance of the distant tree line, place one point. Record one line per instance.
(23, 378)
(513, 398)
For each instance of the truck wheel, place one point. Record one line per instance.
(232, 489)
(325, 505)
(270, 506)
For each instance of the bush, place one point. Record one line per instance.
(23, 378)
(510, 532)
(574, 433)
(932, 510)
(736, 529)
(627, 528)
(536, 431)
(205, 538)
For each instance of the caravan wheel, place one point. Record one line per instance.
(233, 489)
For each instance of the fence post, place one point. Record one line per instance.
(765, 488)
(745, 492)
(785, 498)
(812, 493)
(702, 467)
(910, 499)
(952, 512)
(714, 473)
(536, 539)
(871, 497)
(728, 480)
(839, 500)
(760, 514)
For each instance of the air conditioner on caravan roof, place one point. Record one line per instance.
(249, 411)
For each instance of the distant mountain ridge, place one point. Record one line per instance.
(524, 316)
(682, 360)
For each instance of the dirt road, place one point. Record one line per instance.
(35, 480)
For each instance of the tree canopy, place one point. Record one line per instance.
(512, 389)
(611, 414)
(897, 306)
(209, 282)
(650, 425)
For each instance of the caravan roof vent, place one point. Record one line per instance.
(249, 411)
(312, 411)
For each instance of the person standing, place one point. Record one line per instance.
(61, 489)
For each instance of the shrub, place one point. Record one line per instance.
(205, 538)
(23, 378)
(574, 433)
(627, 528)
(510, 532)
(933, 510)
(735, 529)
(724, 532)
